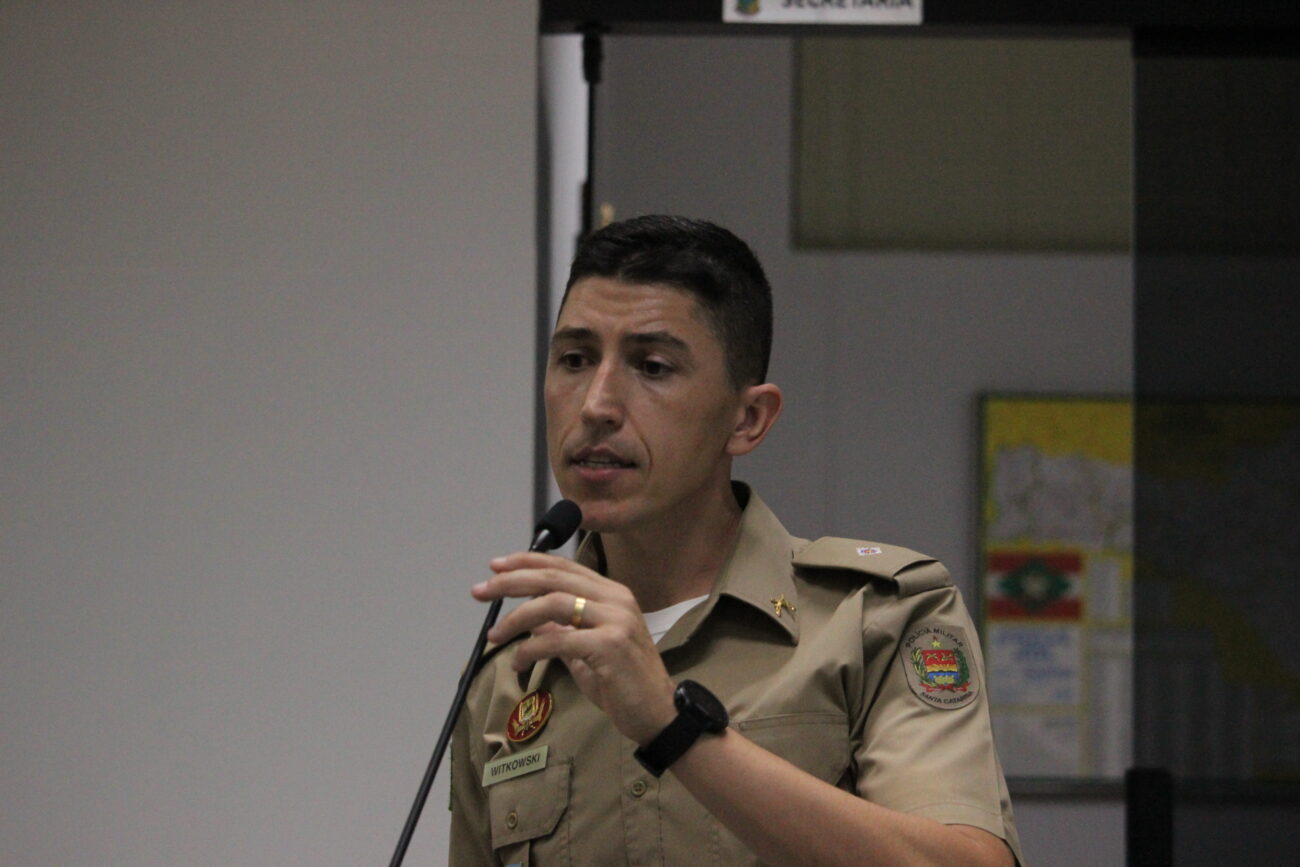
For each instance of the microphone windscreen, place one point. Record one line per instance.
(560, 522)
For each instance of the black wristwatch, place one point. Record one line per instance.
(698, 712)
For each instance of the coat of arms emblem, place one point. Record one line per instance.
(941, 669)
(936, 659)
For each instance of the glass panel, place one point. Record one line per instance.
(1217, 420)
(934, 143)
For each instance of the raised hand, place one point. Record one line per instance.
(593, 625)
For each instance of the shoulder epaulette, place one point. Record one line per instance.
(913, 572)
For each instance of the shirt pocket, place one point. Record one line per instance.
(525, 813)
(814, 742)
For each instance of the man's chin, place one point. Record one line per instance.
(600, 522)
(603, 516)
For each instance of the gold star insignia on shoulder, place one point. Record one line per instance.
(779, 602)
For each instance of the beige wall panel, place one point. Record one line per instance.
(260, 263)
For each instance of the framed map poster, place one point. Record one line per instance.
(1055, 598)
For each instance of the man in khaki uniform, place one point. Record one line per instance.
(697, 686)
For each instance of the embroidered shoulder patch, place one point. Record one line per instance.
(938, 662)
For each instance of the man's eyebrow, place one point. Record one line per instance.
(572, 333)
(658, 338)
(640, 338)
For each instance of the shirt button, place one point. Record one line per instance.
(638, 788)
(512, 820)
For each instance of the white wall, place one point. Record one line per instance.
(266, 312)
(881, 356)
(562, 161)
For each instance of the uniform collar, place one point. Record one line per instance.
(758, 572)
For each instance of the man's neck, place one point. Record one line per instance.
(678, 559)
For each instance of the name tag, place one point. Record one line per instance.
(514, 765)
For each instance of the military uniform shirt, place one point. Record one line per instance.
(855, 661)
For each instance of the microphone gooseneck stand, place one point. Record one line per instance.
(552, 531)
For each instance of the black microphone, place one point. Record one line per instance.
(556, 526)
(553, 530)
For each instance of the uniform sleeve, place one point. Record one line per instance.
(470, 838)
(925, 745)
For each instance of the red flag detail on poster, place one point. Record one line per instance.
(1034, 586)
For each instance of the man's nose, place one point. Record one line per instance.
(603, 402)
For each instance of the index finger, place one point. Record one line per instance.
(577, 580)
(529, 559)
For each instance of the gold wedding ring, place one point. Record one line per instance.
(579, 605)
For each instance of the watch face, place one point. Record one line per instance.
(698, 702)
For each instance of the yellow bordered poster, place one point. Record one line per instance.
(1056, 541)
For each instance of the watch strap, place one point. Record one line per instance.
(698, 712)
(670, 744)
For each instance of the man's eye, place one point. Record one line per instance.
(572, 360)
(655, 369)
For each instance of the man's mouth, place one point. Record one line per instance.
(601, 461)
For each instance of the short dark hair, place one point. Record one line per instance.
(705, 260)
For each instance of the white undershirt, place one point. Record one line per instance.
(659, 622)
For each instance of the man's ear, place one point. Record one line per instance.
(759, 407)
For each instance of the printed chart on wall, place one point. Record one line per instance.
(1056, 539)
